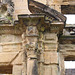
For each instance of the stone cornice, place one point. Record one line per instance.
(9, 30)
(39, 21)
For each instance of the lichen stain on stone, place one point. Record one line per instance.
(35, 68)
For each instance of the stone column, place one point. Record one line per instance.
(31, 47)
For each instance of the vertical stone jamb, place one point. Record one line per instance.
(61, 64)
(41, 50)
(24, 58)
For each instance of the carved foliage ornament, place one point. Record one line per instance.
(6, 11)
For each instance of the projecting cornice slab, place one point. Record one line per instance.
(39, 21)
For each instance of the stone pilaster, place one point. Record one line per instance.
(31, 47)
(30, 43)
(50, 54)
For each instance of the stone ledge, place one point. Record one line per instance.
(7, 57)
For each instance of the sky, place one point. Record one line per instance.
(69, 64)
(70, 19)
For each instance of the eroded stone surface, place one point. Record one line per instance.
(50, 58)
(31, 46)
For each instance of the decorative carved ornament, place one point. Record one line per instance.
(6, 11)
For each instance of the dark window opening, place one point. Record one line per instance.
(68, 9)
(5, 70)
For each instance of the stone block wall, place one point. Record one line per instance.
(10, 48)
